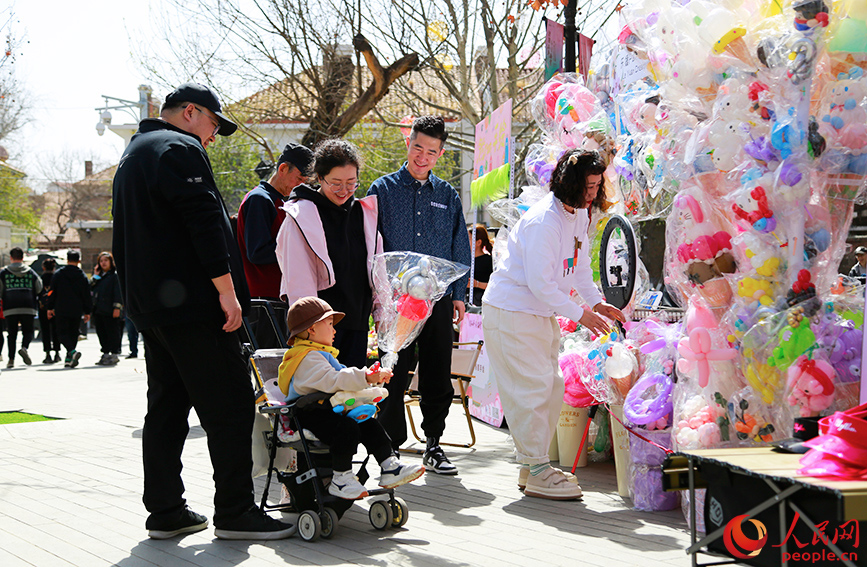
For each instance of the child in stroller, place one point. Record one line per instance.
(310, 366)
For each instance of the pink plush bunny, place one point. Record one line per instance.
(811, 385)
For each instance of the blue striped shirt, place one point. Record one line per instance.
(426, 218)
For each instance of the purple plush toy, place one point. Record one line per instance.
(846, 356)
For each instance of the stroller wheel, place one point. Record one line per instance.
(380, 515)
(309, 526)
(329, 523)
(400, 512)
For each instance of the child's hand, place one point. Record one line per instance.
(379, 377)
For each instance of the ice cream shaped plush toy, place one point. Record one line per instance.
(706, 252)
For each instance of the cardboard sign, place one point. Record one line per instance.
(628, 68)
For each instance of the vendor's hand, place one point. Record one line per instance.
(116, 313)
(86, 318)
(596, 324)
(381, 377)
(460, 309)
(609, 311)
(50, 313)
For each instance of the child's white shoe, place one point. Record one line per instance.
(345, 485)
(395, 473)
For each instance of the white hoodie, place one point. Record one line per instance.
(547, 256)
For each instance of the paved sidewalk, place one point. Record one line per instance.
(70, 494)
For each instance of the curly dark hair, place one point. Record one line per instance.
(569, 180)
(335, 153)
(433, 126)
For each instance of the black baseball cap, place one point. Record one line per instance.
(297, 155)
(203, 96)
(860, 250)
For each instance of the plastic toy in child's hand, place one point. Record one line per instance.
(360, 405)
(811, 385)
(407, 285)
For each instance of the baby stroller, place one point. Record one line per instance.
(306, 480)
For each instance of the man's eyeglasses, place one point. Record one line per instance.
(216, 127)
(341, 187)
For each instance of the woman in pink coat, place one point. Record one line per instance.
(326, 242)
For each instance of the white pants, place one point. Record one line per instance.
(523, 351)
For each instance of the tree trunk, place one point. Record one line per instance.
(337, 88)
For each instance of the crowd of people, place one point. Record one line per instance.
(63, 301)
(305, 237)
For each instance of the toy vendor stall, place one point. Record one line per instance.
(743, 126)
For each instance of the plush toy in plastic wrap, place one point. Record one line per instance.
(407, 286)
(563, 106)
(575, 366)
(699, 252)
(752, 420)
(649, 403)
(843, 123)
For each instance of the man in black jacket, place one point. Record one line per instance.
(70, 300)
(19, 288)
(184, 288)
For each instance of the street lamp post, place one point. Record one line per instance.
(127, 106)
(569, 38)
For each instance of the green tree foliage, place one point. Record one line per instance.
(233, 160)
(383, 149)
(15, 205)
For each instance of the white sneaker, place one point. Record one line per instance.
(553, 485)
(524, 472)
(345, 485)
(395, 473)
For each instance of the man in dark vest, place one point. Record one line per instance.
(19, 288)
(259, 219)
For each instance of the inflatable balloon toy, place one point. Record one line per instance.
(748, 426)
(753, 208)
(702, 425)
(787, 134)
(722, 33)
(695, 350)
(810, 14)
(802, 291)
(764, 379)
(793, 341)
(842, 341)
(575, 366)
(845, 124)
(621, 368)
(407, 285)
(802, 60)
(761, 257)
(760, 99)
(706, 252)
(810, 385)
(758, 290)
(649, 402)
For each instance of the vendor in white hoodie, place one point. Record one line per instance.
(546, 260)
